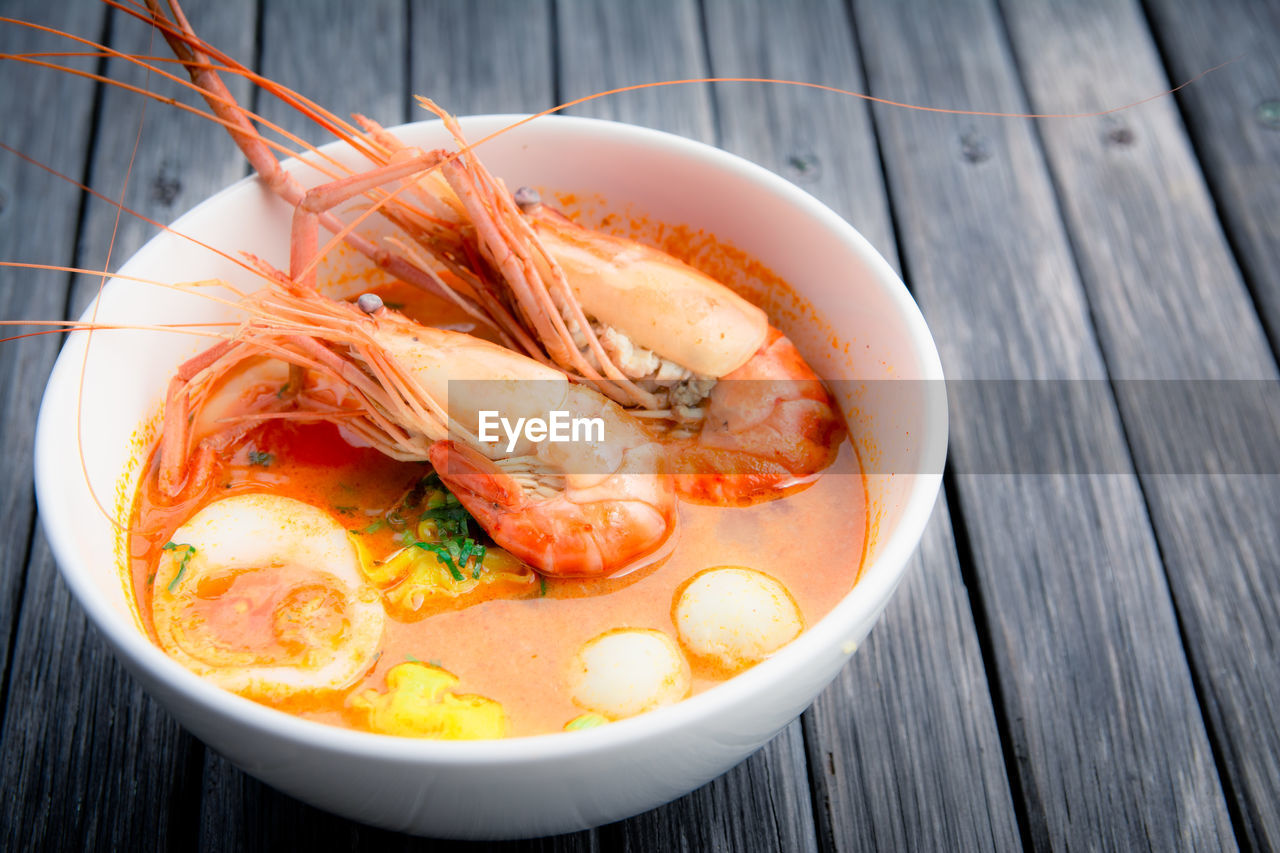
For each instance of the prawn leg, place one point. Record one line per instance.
(304, 244)
(177, 464)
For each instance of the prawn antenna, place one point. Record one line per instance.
(425, 102)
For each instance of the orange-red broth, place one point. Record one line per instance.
(517, 651)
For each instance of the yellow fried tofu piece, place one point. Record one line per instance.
(416, 582)
(420, 702)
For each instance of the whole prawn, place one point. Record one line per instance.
(745, 417)
(567, 510)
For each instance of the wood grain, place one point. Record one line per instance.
(38, 221)
(90, 759)
(482, 56)
(903, 749)
(346, 57)
(1055, 626)
(1094, 687)
(1169, 303)
(606, 46)
(1233, 116)
(821, 141)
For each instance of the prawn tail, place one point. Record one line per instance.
(770, 428)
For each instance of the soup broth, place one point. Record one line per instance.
(512, 643)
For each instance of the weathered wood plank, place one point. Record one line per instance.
(38, 221)
(87, 761)
(606, 46)
(762, 804)
(482, 56)
(88, 758)
(1093, 682)
(181, 159)
(903, 748)
(1169, 303)
(1234, 120)
(346, 57)
(821, 141)
(765, 801)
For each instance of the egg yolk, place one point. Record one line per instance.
(262, 616)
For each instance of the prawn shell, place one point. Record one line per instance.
(657, 301)
(472, 375)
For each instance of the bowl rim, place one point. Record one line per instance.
(862, 603)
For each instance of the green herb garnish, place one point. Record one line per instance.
(450, 520)
(374, 527)
(586, 721)
(259, 458)
(455, 552)
(543, 581)
(452, 541)
(444, 553)
(182, 564)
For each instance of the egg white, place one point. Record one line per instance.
(266, 532)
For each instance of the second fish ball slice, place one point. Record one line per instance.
(732, 617)
(627, 671)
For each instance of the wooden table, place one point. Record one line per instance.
(1077, 659)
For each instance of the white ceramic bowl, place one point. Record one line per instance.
(552, 783)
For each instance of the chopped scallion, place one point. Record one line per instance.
(182, 564)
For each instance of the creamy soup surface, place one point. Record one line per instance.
(516, 647)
